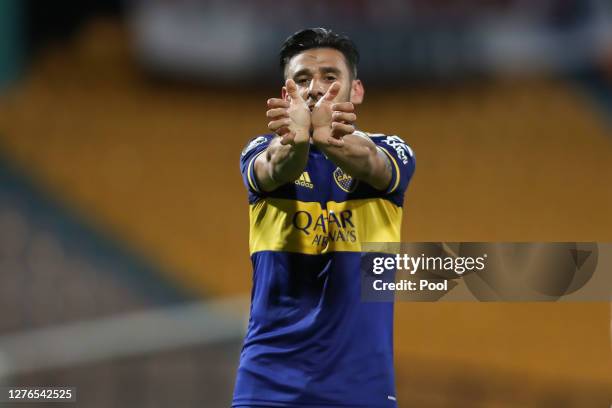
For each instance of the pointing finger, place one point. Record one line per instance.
(277, 113)
(343, 107)
(343, 117)
(335, 141)
(341, 129)
(292, 90)
(282, 131)
(287, 138)
(332, 92)
(277, 124)
(277, 103)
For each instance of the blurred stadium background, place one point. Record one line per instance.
(124, 265)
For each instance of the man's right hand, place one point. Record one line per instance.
(286, 156)
(289, 119)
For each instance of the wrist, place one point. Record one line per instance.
(321, 135)
(302, 137)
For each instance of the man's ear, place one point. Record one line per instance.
(357, 92)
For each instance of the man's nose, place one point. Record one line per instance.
(315, 90)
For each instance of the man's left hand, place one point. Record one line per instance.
(332, 121)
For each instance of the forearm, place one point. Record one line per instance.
(281, 164)
(286, 163)
(360, 158)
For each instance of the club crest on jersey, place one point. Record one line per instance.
(401, 148)
(254, 143)
(344, 181)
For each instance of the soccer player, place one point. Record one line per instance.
(317, 189)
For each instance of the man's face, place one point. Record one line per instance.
(316, 69)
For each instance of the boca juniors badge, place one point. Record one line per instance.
(344, 181)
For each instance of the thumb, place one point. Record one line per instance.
(332, 92)
(292, 90)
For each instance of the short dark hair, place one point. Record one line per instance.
(319, 38)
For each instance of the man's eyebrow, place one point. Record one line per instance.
(323, 70)
(303, 71)
(330, 70)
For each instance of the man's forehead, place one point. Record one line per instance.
(315, 58)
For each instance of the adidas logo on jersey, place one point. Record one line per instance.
(304, 180)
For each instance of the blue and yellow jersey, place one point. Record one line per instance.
(311, 341)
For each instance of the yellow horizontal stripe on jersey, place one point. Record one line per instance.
(306, 227)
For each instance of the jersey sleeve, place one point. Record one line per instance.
(402, 161)
(253, 149)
